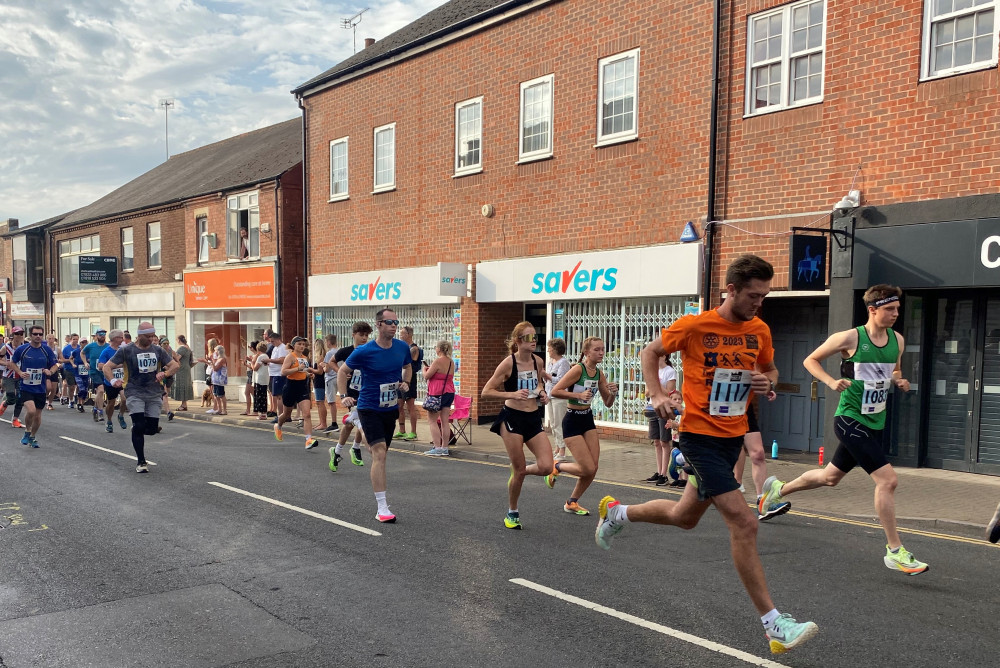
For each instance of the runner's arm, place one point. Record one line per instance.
(649, 360)
(109, 370)
(609, 391)
(287, 362)
(343, 375)
(841, 342)
(897, 373)
(560, 389)
(493, 388)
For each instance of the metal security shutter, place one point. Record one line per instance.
(989, 411)
(947, 421)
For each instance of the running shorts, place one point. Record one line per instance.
(296, 391)
(712, 458)
(578, 422)
(378, 426)
(526, 424)
(752, 425)
(658, 430)
(33, 398)
(858, 445)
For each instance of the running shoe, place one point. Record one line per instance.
(142, 468)
(26, 439)
(311, 443)
(550, 479)
(993, 528)
(96, 419)
(48, 405)
(409, 436)
(770, 503)
(170, 416)
(444, 453)
(334, 459)
(79, 408)
(902, 560)
(433, 452)
(608, 526)
(211, 411)
(786, 633)
(332, 427)
(121, 421)
(399, 434)
(278, 436)
(108, 428)
(654, 478)
(356, 457)
(33, 442)
(512, 520)
(16, 424)
(388, 518)
(575, 508)
(3, 407)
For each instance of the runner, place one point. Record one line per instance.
(53, 394)
(727, 353)
(34, 362)
(581, 384)
(993, 528)
(519, 424)
(146, 365)
(71, 360)
(360, 332)
(382, 362)
(276, 354)
(10, 376)
(408, 401)
(330, 381)
(297, 370)
(112, 392)
(95, 379)
(869, 368)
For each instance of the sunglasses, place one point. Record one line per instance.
(528, 338)
(389, 322)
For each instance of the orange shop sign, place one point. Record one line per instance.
(246, 287)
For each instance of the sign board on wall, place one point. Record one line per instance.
(27, 310)
(98, 270)
(413, 285)
(238, 288)
(807, 262)
(651, 271)
(454, 279)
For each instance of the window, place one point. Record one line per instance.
(338, 169)
(617, 101)
(69, 259)
(959, 36)
(469, 136)
(536, 119)
(153, 243)
(785, 57)
(163, 326)
(242, 227)
(201, 224)
(85, 327)
(128, 250)
(385, 157)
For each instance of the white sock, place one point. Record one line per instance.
(339, 449)
(769, 619)
(621, 514)
(357, 445)
(512, 512)
(383, 505)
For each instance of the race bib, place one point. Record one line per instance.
(146, 362)
(590, 385)
(730, 391)
(355, 383)
(34, 377)
(874, 396)
(528, 380)
(118, 374)
(302, 363)
(388, 394)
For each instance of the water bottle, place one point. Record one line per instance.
(774, 449)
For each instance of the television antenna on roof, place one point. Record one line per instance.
(352, 24)
(165, 105)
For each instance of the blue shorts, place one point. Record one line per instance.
(320, 391)
(277, 385)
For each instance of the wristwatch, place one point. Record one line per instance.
(772, 385)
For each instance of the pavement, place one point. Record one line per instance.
(929, 500)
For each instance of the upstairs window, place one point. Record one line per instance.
(242, 227)
(385, 157)
(535, 133)
(153, 241)
(338, 169)
(69, 259)
(128, 250)
(204, 240)
(785, 57)
(617, 97)
(959, 36)
(469, 136)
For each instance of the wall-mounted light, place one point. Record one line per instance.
(850, 201)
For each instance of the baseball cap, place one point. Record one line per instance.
(100, 332)
(297, 339)
(17, 330)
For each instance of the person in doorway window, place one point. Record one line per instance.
(244, 244)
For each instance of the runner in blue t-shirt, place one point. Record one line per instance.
(385, 372)
(91, 354)
(111, 393)
(71, 360)
(34, 362)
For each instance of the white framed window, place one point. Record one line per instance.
(618, 97)
(469, 136)
(338, 169)
(785, 57)
(153, 244)
(385, 157)
(535, 131)
(69, 259)
(128, 250)
(204, 241)
(959, 36)
(243, 226)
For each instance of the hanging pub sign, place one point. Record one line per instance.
(807, 270)
(98, 270)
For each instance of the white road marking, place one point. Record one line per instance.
(310, 513)
(652, 626)
(97, 447)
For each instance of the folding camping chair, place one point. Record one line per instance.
(460, 420)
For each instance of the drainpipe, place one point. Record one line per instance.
(280, 279)
(713, 127)
(305, 230)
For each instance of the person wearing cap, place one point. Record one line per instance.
(11, 394)
(91, 353)
(111, 393)
(296, 393)
(146, 365)
(34, 362)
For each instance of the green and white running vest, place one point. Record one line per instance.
(865, 399)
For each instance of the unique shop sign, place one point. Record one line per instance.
(98, 270)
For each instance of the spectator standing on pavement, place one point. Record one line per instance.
(260, 379)
(440, 377)
(330, 380)
(220, 378)
(408, 400)
(183, 390)
(209, 361)
(248, 366)
(659, 431)
(555, 410)
(276, 383)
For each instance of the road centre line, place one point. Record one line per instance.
(97, 447)
(287, 506)
(652, 626)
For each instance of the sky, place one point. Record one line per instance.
(81, 83)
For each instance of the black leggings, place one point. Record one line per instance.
(259, 398)
(142, 426)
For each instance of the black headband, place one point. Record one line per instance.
(885, 300)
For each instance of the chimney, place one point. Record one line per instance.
(9, 224)
(369, 41)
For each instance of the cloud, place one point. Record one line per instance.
(81, 83)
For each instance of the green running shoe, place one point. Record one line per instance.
(550, 479)
(786, 633)
(356, 457)
(771, 504)
(512, 520)
(399, 434)
(334, 459)
(902, 560)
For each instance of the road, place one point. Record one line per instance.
(100, 566)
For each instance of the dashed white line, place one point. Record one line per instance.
(97, 447)
(652, 626)
(304, 511)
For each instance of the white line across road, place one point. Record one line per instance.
(97, 447)
(288, 506)
(652, 626)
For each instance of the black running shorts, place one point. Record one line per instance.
(713, 459)
(378, 426)
(525, 424)
(858, 445)
(577, 422)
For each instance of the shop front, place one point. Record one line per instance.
(83, 312)
(950, 318)
(27, 314)
(428, 299)
(234, 306)
(623, 296)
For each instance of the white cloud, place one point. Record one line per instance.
(81, 82)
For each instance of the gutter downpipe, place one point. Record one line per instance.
(712, 149)
(305, 231)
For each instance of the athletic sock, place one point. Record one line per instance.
(339, 449)
(513, 513)
(895, 550)
(769, 619)
(622, 514)
(572, 500)
(383, 505)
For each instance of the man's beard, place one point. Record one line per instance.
(143, 341)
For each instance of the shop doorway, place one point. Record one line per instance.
(795, 418)
(537, 314)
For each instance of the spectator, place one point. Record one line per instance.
(555, 411)
(440, 377)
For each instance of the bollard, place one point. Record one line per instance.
(821, 456)
(774, 449)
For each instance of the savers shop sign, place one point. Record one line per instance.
(248, 287)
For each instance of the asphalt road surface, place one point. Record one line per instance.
(100, 566)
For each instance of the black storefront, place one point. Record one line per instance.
(950, 273)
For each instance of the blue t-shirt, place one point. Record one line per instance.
(117, 374)
(92, 352)
(381, 372)
(34, 361)
(73, 355)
